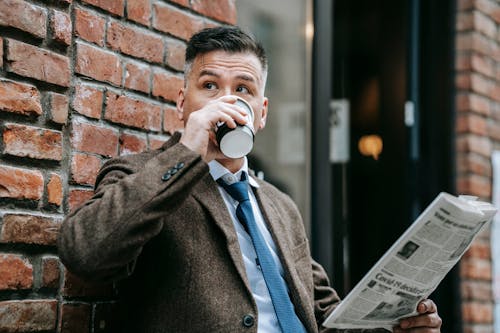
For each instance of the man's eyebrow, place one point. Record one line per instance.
(208, 73)
(246, 78)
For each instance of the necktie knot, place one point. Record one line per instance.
(238, 190)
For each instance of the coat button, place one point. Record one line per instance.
(179, 165)
(248, 320)
(166, 176)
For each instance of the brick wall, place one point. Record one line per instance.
(478, 134)
(80, 82)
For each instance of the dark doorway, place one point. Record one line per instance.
(375, 195)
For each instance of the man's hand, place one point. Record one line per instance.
(427, 321)
(199, 132)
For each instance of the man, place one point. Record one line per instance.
(190, 255)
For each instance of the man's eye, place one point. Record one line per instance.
(242, 89)
(210, 86)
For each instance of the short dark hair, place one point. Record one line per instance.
(225, 38)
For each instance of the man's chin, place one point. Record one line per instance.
(232, 164)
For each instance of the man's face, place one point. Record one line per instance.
(218, 73)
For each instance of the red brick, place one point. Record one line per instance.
(465, 4)
(75, 317)
(24, 16)
(473, 102)
(463, 62)
(476, 290)
(60, 25)
(88, 101)
(474, 143)
(19, 98)
(171, 120)
(475, 328)
(475, 269)
(481, 84)
(15, 273)
(166, 85)
(31, 61)
(471, 123)
(58, 108)
(115, 7)
(483, 65)
(98, 64)
(474, 41)
(33, 142)
(84, 169)
(464, 21)
(221, 10)
(75, 286)
(137, 76)
(487, 7)
(130, 144)
(132, 112)
(495, 92)
(473, 163)
(28, 315)
(176, 22)
(17, 183)
(139, 11)
(495, 111)
(477, 312)
(478, 249)
(78, 197)
(29, 229)
(89, 26)
(484, 24)
(50, 272)
(462, 102)
(94, 139)
(463, 81)
(184, 3)
(135, 42)
(156, 142)
(54, 190)
(494, 130)
(495, 51)
(175, 54)
(477, 185)
(495, 14)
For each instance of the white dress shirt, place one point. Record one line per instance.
(267, 320)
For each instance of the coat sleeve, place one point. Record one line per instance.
(325, 301)
(102, 239)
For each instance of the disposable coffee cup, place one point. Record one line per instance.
(237, 142)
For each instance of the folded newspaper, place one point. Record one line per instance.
(415, 265)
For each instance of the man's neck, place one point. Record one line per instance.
(233, 165)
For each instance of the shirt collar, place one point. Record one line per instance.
(217, 171)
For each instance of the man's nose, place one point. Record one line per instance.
(226, 91)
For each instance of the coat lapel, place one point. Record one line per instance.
(278, 229)
(209, 196)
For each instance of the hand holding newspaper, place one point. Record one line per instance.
(415, 265)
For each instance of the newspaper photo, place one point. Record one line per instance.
(415, 265)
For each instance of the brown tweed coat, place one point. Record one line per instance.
(158, 225)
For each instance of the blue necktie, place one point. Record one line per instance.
(288, 320)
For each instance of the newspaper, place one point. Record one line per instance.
(415, 265)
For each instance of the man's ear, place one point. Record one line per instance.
(263, 113)
(180, 104)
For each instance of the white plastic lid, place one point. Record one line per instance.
(237, 143)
